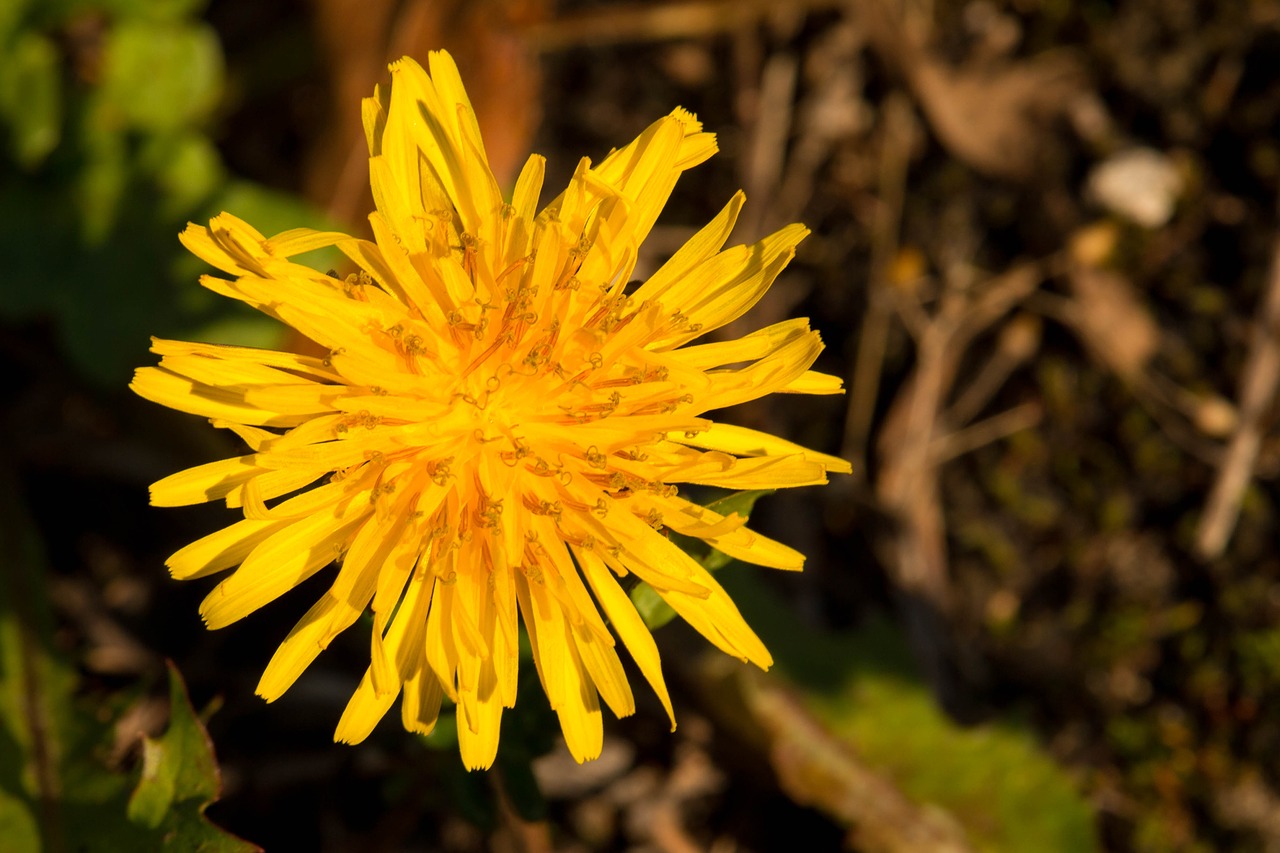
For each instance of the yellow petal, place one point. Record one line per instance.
(480, 720)
(220, 550)
(269, 358)
(545, 623)
(627, 622)
(300, 240)
(524, 206)
(724, 287)
(373, 114)
(230, 244)
(404, 644)
(204, 482)
(711, 612)
(769, 374)
(709, 240)
(278, 564)
(728, 535)
(364, 710)
(752, 347)
(742, 441)
(579, 713)
(602, 664)
(273, 484)
(764, 472)
(813, 382)
(441, 653)
(717, 618)
(305, 642)
(420, 707)
(178, 392)
(380, 540)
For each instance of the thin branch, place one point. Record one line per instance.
(654, 22)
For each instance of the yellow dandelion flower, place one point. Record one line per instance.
(499, 429)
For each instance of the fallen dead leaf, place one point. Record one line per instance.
(1112, 320)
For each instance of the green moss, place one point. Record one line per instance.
(994, 778)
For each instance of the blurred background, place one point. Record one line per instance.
(1042, 614)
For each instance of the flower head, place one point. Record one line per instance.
(501, 426)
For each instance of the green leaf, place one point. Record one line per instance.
(55, 792)
(741, 503)
(34, 685)
(652, 609)
(248, 330)
(180, 779)
(31, 98)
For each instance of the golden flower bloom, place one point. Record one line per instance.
(498, 428)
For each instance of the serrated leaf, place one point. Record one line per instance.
(180, 779)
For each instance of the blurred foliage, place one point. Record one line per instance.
(105, 108)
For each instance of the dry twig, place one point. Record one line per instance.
(895, 152)
(1257, 393)
(817, 768)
